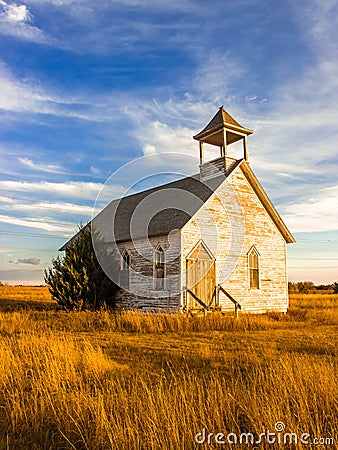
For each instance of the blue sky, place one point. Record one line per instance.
(86, 87)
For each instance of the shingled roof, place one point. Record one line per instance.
(162, 209)
(212, 133)
(173, 203)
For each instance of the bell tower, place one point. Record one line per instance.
(222, 131)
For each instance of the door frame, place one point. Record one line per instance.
(192, 304)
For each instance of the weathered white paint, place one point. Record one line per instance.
(212, 224)
(232, 212)
(142, 267)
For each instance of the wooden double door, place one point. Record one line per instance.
(201, 277)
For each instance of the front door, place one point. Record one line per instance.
(201, 277)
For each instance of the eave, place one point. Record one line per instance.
(271, 210)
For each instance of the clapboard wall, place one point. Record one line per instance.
(141, 293)
(230, 223)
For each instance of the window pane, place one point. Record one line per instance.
(159, 269)
(125, 271)
(254, 284)
(126, 261)
(159, 283)
(159, 256)
(253, 270)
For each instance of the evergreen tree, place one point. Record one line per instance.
(335, 287)
(77, 281)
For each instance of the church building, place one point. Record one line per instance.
(212, 241)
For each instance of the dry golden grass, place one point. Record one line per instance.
(144, 381)
(25, 297)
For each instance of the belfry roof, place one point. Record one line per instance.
(212, 133)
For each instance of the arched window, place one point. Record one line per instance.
(253, 263)
(125, 270)
(159, 268)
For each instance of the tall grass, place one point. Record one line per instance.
(63, 394)
(145, 381)
(26, 293)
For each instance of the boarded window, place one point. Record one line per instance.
(159, 268)
(253, 269)
(125, 270)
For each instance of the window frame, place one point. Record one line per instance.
(251, 285)
(124, 269)
(159, 282)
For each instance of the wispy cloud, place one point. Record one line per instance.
(26, 96)
(15, 20)
(31, 261)
(319, 24)
(41, 223)
(30, 96)
(74, 189)
(294, 146)
(41, 207)
(318, 213)
(50, 168)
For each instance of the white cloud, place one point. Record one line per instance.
(294, 145)
(15, 13)
(319, 23)
(250, 98)
(31, 261)
(57, 2)
(318, 213)
(14, 21)
(92, 31)
(59, 207)
(50, 168)
(159, 137)
(73, 189)
(45, 224)
(31, 97)
(168, 125)
(288, 149)
(213, 82)
(95, 171)
(25, 96)
(7, 199)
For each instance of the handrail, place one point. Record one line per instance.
(213, 296)
(198, 300)
(235, 302)
(208, 307)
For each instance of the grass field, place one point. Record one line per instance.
(141, 381)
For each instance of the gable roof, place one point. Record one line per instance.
(262, 195)
(174, 203)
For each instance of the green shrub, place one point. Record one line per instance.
(77, 281)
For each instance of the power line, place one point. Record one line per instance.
(296, 250)
(26, 249)
(313, 267)
(316, 240)
(314, 259)
(10, 249)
